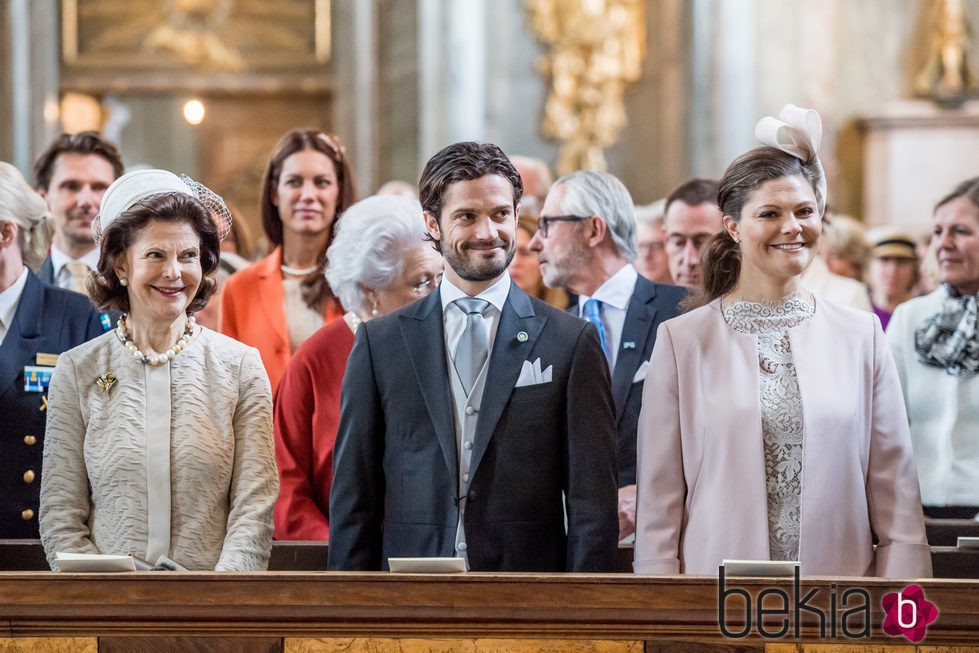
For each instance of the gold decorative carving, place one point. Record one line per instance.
(225, 36)
(49, 645)
(429, 645)
(945, 76)
(597, 48)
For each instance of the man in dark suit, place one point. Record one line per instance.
(474, 419)
(37, 322)
(586, 242)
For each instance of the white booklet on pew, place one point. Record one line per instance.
(104, 562)
(761, 568)
(427, 565)
(967, 542)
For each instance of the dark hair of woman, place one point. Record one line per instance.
(121, 233)
(315, 289)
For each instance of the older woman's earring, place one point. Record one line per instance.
(123, 282)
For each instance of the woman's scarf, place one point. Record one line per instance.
(948, 338)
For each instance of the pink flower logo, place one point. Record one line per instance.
(908, 613)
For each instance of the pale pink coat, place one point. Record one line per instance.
(701, 473)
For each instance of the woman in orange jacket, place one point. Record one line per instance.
(275, 304)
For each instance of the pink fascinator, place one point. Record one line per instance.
(796, 131)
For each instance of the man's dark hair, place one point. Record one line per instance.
(88, 142)
(694, 193)
(464, 162)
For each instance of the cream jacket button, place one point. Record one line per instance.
(29, 476)
(30, 440)
(27, 515)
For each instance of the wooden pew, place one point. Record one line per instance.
(945, 532)
(353, 612)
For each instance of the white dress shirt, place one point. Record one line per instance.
(9, 301)
(454, 318)
(615, 295)
(62, 277)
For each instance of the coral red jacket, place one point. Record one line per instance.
(307, 413)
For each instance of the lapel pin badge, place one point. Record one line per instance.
(629, 345)
(522, 336)
(105, 382)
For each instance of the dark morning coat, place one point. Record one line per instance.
(651, 305)
(396, 466)
(48, 320)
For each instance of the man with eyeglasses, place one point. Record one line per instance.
(586, 242)
(478, 422)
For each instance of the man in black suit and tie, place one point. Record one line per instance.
(37, 322)
(586, 242)
(474, 419)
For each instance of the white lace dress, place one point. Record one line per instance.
(781, 411)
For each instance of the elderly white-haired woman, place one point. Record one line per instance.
(378, 262)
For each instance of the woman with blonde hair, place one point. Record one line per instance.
(772, 424)
(37, 322)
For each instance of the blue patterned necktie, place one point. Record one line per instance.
(593, 313)
(471, 352)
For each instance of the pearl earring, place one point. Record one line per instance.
(123, 282)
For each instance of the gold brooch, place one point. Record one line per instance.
(105, 382)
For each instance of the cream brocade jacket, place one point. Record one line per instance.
(223, 478)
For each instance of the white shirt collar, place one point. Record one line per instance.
(616, 291)
(495, 294)
(9, 301)
(59, 259)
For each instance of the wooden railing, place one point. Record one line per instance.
(298, 611)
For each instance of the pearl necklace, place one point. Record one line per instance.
(159, 359)
(298, 272)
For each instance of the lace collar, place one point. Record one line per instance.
(774, 315)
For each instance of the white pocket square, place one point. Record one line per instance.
(531, 374)
(640, 374)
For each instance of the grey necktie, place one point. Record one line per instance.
(471, 351)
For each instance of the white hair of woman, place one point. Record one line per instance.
(368, 250)
(20, 204)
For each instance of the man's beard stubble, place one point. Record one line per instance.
(489, 269)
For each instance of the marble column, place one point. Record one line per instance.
(31, 80)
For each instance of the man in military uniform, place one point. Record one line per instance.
(37, 322)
